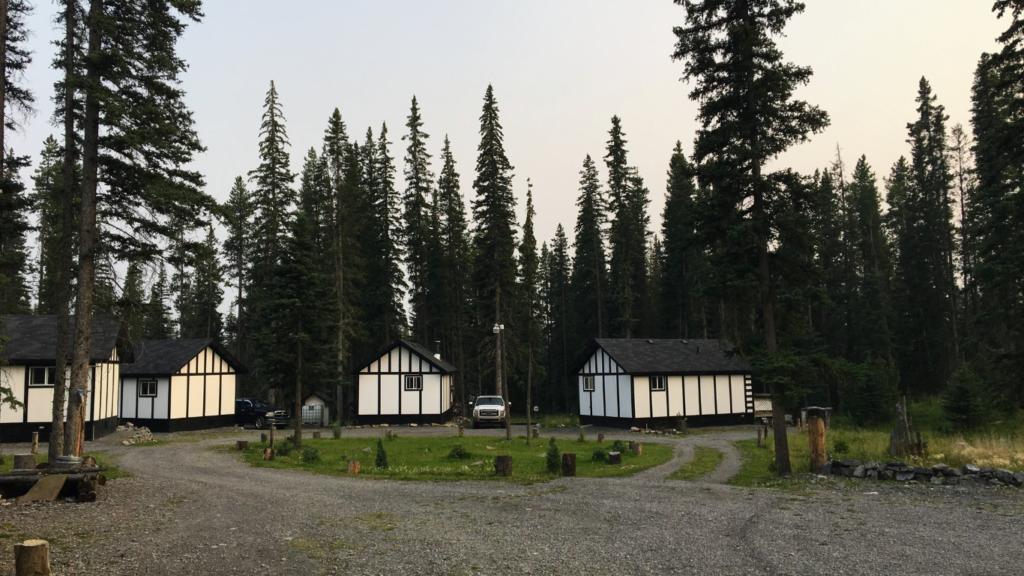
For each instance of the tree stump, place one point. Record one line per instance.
(101, 480)
(503, 466)
(88, 462)
(600, 438)
(615, 458)
(35, 443)
(354, 466)
(462, 430)
(32, 558)
(242, 445)
(816, 437)
(263, 437)
(536, 432)
(568, 464)
(636, 448)
(759, 431)
(268, 453)
(24, 461)
(316, 435)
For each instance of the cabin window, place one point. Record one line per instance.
(42, 376)
(658, 383)
(588, 384)
(414, 383)
(147, 388)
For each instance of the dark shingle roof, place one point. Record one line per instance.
(638, 356)
(164, 357)
(33, 338)
(418, 349)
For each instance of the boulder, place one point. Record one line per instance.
(939, 468)
(1018, 479)
(1003, 475)
(952, 480)
(923, 471)
(888, 474)
(952, 472)
(938, 480)
(995, 482)
(859, 472)
(850, 463)
(904, 476)
(871, 466)
(895, 465)
(970, 469)
(634, 429)
(826, 469)
(872, 474)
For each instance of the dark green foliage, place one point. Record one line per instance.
(238, 214)
(589, 267)
(560, 393)
(381, 460)
(968, 402)
(583, 436)
(619, 446)
(284, 447)
(336, 431)
(459, 452)
(200, 296)
(14, 266)
(157, 320)
(600, 455)
(554, 458)
(418, 232)
(681, 294)
(310, 454)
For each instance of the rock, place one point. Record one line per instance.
(952, 472)
(871, 466)
(970, 469)
(995, 482)
(478, 463)
(367, 450)
(491, 448)
(826, 469)
(1018, 479)
(953, 480)
(847, 472)
(939, 468)
(872, 474)
(895, 465)
(859, 472)
(904, 476)
(923, 477)
(971, 480)
(938, 480)
(850, 463)
(1004, 476)
(888, 474)
(634, 429)
(414, 425)
(922, 471)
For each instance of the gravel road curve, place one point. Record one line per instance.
(192, 510)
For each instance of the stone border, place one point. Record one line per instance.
(938, 474)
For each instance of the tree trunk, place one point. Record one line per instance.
(816, 438)
(498, 384)
(3, 91)
(89, 241)
(529, 401)
(32, 558)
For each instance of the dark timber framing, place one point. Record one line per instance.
(390, 394)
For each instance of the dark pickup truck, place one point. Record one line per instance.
(259, 414)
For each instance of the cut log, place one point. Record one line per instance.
(637, 448)
(87, 497)
(32, 558)
(816, 437)
(600, 438)
(354, 466)
(503, 466)
(24, 461)
(89, 462)
(263, 437)
(47, 471)
(268, 453)
(242, 445)
(615, 458)
(101, 480)
(536, 432)
(35, 443)
(568, 464)
(462, 430)
(316, 435)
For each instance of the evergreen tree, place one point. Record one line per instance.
(16, 99)
(589, 266)
(560, 393)
(748, 116)
(653, 305)
(494, 270)
(417, 234)
(680, 291)
(273, 196)
(131, 308)
(157, 323)
(238, 250)
(529, 280)
(199, 315)
(15, 204)
(48, 196)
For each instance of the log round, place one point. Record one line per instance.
(32, 558)
(242, 444)
(503, 466)
(354, 466)
(568, 464)
(615, 458)
(600, 438)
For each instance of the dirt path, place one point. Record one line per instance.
(190, 509)
(721, 441)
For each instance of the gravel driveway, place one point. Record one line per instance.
(192, 510)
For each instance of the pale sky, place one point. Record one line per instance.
(560, 70)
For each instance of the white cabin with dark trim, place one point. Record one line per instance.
(405, 383)
(175, 385)
(31, 356)
(647, 383)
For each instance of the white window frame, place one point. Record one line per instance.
(49, 375)
(142, 394)
(413, 383)
(659, 383)
(589, 384)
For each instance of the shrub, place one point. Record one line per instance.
(842, 447)
(310, 455)
(967, 403)
(554, 458)
(600, 455)
(284, 447)
(583, 436)
(336, 432)
(382, 456)
(619, 446)
(459, 452)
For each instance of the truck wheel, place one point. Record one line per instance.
(259, 423)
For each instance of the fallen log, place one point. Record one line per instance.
(30, 481)
(47, 471)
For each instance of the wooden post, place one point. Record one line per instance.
(272, 435)
(568, 464)
(536, 432)
(615, 458)
(316, 435)
(268, 453)
(32, 558)
(354, 466)
(35, 443)
(816, 437)
(24, 461)
(636, 448)
(503, 466)
(263, 437)
(600, 438)
(462, 430)
(242, 445)
(759, 431)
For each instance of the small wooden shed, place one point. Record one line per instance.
(404, 384)
(175, 385)
(31, 356)
(655, 383)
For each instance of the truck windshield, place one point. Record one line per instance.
(261, 404)
(489, 402)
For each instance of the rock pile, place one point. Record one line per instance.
(669, 432)
(138, 435)
(938, 474)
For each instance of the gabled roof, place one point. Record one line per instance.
(421, 351)
(33, 338)
(639, 356)
(326, 398)
(166, 357)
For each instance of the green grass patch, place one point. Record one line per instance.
(548, 420)
(102, 459)
(704, 462)
(429, 458)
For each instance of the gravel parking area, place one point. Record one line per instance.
(192, 510)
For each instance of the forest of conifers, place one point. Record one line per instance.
(846, 287)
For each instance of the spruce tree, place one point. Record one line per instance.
(199, 316)
(748, 116)
(48, 197)
(131, 307)
(529, 281)
(560, 393)
(15, 204)
(679, 291)
(417, 233)
(589, 266)
(494, 270)
(238, 250)
(273, 195)
(157, 323)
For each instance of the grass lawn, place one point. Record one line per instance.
(102, 459)
(428, 458)
(704, 462)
